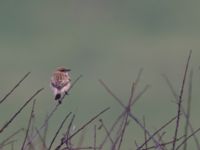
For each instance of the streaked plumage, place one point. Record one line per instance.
(60, 82)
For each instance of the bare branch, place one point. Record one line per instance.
(67, 134)
(180, 101)
(126, 116)
(81, 128)
(29, 124)
(11, 136)
(95, 136)
(12, 90)
(71, 86)
(8, 143)
(166, 124)
(122, 114)
(145, 134)
(129, 113)
(106, 130)
(111, 93)
(17, 113)
(42, 139)
(61, 125)
(182, 110)
(192, 134)
(163, 144)
(188, 107)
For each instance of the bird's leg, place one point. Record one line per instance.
(66, 93)
(60, 101)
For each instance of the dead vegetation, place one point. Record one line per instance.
(34, 134)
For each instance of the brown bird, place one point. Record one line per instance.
(60, 82)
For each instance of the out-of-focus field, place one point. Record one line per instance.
(109, 40)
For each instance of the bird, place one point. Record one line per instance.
(60, 82)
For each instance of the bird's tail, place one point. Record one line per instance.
(58, 96)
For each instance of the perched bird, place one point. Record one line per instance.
(60, 82)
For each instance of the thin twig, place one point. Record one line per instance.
(10, 142)
(180, 101)
(17, 113)
(111, 129)
(141, 125)
(29, 124)
(160, 137)
(126, 116)
(106, 130)
(170, 86)
(192, 134)
(139, 76)
(130, 114)
(81, 138)
(11, 136)
(164, 144)
(140, 94)
(119, 131)
(32, 127)
(67, 134)
(95, 136)
(145, 134)
(9, 93)
(79, 148)
(87, 123)
(136, 143)
(182, 110)
(131, 96)
(82, 127)
(188, 108)
(31, 145)
(45, 131)
(42, 139)
(71, 87)
(12, 145)
(122, 114)
(166, 124)
(111, 93)
(61, 125)
(123, 131)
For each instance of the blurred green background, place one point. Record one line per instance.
(100, 39)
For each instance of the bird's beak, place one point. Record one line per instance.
(68, 70)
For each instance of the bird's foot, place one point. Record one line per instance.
(57, 96)
(59, 101)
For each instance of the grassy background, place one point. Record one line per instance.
(103, 39)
